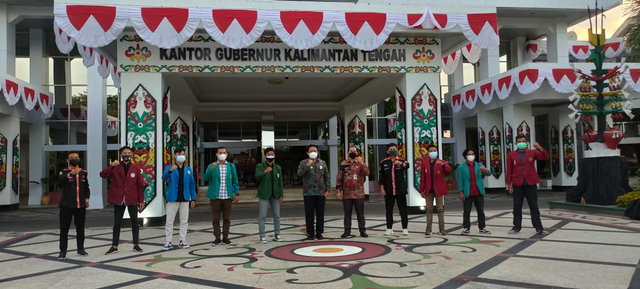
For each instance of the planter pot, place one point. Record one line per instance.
(590, 136)
(612, 137)
(54, 197)
(46, 200)
(449, 185)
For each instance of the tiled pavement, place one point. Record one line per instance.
(582, 251)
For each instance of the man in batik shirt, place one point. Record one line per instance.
(350, 189)
(316, 182)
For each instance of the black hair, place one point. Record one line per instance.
(178, 150)
(125, 148)
(311, 146)
(392, 145)
(466, 151)
(521, 135)
(268, 150)
(431, 146)
(220, 148)
(73, 152)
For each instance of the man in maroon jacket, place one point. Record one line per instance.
(522, 180)
(433, 186)
(126, 192)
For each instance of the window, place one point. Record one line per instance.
(301, 130)
(381, 121)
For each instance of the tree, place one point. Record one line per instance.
(112, 102)
(633, 35)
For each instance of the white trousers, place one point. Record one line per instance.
(172, 209)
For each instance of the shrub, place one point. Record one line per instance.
(624, 200)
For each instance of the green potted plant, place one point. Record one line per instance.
(449, 177)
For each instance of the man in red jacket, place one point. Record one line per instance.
(126, 192)
(433, 185)
(522, 180)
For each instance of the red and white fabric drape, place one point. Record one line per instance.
(578, 49)
(97, 26)
(13, 92)
(470, 51)
(90, 56)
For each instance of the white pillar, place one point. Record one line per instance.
(96, 136)
(153, 83)
(487, 120)
(10, 128)
(457, 78)
(7, 43)
(489, 64)
(38, 76)
(351, 113)
(518, 49)
(333, 151)
(558, 42)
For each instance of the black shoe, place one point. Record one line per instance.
(364, 235)
(226, 241)
(112, 250)
(542, 232)
(137, 249)
(319, 237)
(309, 237)
(514, 231)
(83, 253)
(62, 256)
(346, 235)
(427, 232)
(216, 242)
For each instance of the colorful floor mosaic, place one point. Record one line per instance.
(605, 247)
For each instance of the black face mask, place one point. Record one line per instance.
(126, 158)
(353, 155)
(74, 162)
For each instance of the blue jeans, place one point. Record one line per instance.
(275, 209)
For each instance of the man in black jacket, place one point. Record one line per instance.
(74, 203)
(393, 187)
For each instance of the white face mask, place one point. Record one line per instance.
(222, 157)
(313, 155)
(471, 158)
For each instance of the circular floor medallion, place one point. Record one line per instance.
(328, 251)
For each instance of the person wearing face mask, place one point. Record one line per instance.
(126, 193)
(270, 192)
(522, 182)
(350, 189)
(393, 187)
(316, 183)
(74, 203)
(181, 195)
(222, 192)
(433, 186)
(471, 186)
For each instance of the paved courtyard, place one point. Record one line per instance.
(582, 251)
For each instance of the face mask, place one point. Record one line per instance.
(313, 155)
(126, 158)
(74, 162)
(471, 158)
(522, 145)
(270, 158)
(181, 159)
(353, 155)
(393, 153)
(222, 157)
(433, 155)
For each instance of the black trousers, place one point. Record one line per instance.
(118, 213)
(314, 205)
(389, 201)
(348, 205)
(531, 194)
(78, 216)
(466, 216)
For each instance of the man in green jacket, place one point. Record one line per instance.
(223, 188)
(270, 192)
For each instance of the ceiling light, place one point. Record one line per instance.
(276, 81)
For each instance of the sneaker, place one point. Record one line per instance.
(465, 231)
(216, 242)
(137, 249)
(167, 247)
(542, 232)
(388, 232)
(442, 233)
(226, 241)
(427, 232)
(484, 231)
(112, 250)
(310, 237)
(277, 238)
(319, 237)
(183, 245)
(62, 256)
(263, 240)
(346, 235)
(364, 235)
(83, 253)
(514, 231)
(405, 232)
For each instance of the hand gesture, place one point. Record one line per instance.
(309, 162)
(268, 170)
(192, 204)
(510, 189)
(537, 146)
(173, 168)
(440, 163)
(140, 206)
(359, 160)
(462, 198)
(75, 171)
(398, 163)
(115, 163)
(213, 165)
(236, 198)
(482, 168)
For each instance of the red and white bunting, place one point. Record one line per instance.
(97, 26)
(503, 86)
(456, 103)
(529, 80)
(301, 29)
(563, 80)
(450, 62)
(580, 50)
(88, 55)
(164, 27)
(115, 76)
(485, 92)
(14, 92)
(632, 76)
(63, 41)
(112, 127)
(470, 98)
(614, 47)
(104, 66)
(472, 53)
(533, 49)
